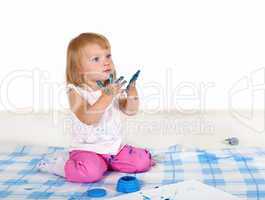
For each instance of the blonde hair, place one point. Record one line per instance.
(74, 54)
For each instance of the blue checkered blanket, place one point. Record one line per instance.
(237, 171)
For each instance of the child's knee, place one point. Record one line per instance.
(91, 170)
(133, 160)
(144, 162)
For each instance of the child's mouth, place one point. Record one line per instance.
(107, 71)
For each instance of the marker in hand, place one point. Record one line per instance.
(133, 79)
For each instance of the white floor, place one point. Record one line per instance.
(207, 130)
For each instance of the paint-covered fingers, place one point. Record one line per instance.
(132, 81)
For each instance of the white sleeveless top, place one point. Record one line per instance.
(103, 137)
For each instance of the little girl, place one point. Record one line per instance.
(96, 143)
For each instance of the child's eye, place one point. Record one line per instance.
(95, 59)
(108, 56)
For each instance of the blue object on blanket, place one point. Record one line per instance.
(232, 141)
(127, 184)
(96, 192)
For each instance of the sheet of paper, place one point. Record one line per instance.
(187, 190)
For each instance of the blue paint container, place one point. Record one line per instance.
(96, 192)
(127, 184)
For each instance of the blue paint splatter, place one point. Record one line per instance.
(146, 198)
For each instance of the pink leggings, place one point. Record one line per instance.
(86, 166)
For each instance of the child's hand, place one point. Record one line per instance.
(112, 88)
(115, 88)
(132, 87)
(131, 91)
(131, 83)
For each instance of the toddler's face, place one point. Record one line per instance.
(96, 63)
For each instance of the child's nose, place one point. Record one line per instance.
(106, 63)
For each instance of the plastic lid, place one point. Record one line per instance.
(96, 192)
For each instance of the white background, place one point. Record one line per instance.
(174, 43)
